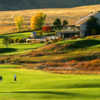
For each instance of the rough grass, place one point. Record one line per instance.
(83, 51)
(52, 86)
(70, 48)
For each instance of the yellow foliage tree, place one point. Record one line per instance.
(37, 21)
(19, 22)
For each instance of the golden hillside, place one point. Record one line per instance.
(70, 14)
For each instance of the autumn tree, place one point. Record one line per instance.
(19, 22)
(37, 21)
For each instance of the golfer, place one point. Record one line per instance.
(15, 77)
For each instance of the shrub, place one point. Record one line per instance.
(11, 40)
(71, 63)
(6, 41)
(46, 28)
(23, 40)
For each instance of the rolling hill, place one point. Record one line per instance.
(71, 14)
(35, 4)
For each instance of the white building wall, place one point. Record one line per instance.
(98, 17)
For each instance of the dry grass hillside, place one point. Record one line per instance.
(70, 14)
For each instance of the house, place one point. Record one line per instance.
(83, 24)
(67, 34)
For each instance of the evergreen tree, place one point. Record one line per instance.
(57, 23)
(92, 27)
(65, 23)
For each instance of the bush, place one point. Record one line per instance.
(17, 40)
(46, 28)
(6, 41)
(23, 40)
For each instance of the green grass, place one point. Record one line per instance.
(3, 66)
(81, 49)
(81, 43)
(17, 35)
(39, 85)
(17, 48)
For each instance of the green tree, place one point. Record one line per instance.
(57, 23)
(92, 27)
(6, 42)
(65, 22)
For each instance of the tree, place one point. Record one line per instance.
(65, 22)
(6, 42)
(57, 23)
(19, 22)
(92, 27)
(37, 21)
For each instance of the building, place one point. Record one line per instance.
(83, 23)
(67, 34)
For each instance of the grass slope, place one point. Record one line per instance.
(17, 48)
(39, 85)
(76, 54)
(84, 51)
(69, 49)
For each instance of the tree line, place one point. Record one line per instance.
(37, 21)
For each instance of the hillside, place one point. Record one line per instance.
(80, 55)
(31, 4)
(71, 14)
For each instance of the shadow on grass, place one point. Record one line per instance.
(2, 36)
(83, 44)
(84, 85)
(59, 94)
(86, 57)
(7, 50)
(46, 93)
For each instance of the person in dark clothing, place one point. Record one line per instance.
(15, 77)
(1, 78)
